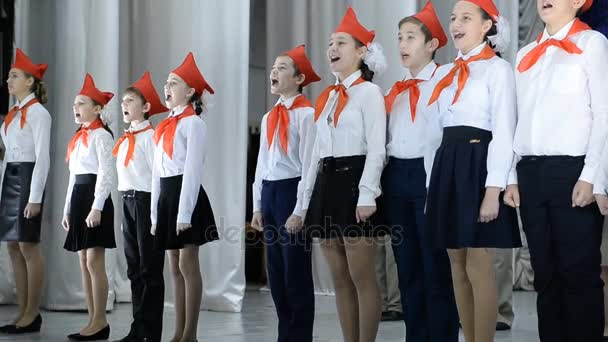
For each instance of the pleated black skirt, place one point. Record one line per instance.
(333, 204)
(203, 228)
(79, 235)
(456, 190)
(15, 197)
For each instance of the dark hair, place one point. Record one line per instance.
(136, 92)
(492, 32)
(366, 73)
(38, 88)
(296, 72)
(197, 100)
(428, 35)
(105, 125)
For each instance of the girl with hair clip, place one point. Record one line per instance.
(343, 181)
(475, 111)
(182, 218)
(26, 134)
(88, 215)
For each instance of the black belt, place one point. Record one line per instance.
(553, 158)
(341, 164)
(88, 178)
(135, 193)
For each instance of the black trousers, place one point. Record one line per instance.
(144, 267)
(565, 249)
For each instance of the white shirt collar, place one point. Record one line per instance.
(559, 35)
(25, 100)
(476, 51)
(348, 82)
(425, 74)
(178, 110)
(288, 102)
(138, 126)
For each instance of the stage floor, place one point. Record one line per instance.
(257, 323)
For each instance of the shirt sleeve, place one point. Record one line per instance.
(68, 197)
(40, 123)
(260, 168)
(196, 133)
(374, 122)
(597, 69)
(311, 174)
(307, 137)
(155, 188)
(503, 108)
(106, 174)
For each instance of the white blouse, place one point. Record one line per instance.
(361, 130)
(487, 102)
(138, 174)
(274, 164)
(30, 144)
(96, 159)
(562, 101)
(188, 160)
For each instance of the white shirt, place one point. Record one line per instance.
(138, 174)
(30, 144)
(274, 164)
(562, 101)
(96, 159)
(487, 102)
(407, 139)
(361, 131)
(188, 160)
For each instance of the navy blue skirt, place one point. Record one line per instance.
(456, 190)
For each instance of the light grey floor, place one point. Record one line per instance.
(257, 323)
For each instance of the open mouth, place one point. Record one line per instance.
(126, 113)
(547, 5)
(334, 59)
(405, 55)
(458, 36)
(167, 97)
(77, 115)
(274, 82)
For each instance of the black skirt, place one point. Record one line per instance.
(15, 197)
(203, 228)
(79, 235)
(333, 204)
(456, 190)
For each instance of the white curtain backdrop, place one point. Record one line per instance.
(116, 41)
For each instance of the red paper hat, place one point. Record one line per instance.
(587, 5)
(89, 89)
(146, 88)
(23, 62)
(351, 25)
(429, 18)
(298, 55)
(190, 73)
(488, 6)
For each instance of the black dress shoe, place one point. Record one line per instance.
(605, 339)
(102, 334)
(33, 327)
(391, 316)
(501, 326)
(6, 328)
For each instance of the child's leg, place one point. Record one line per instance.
(178, 295)
(86, 285)
(346, 293)
(605, 279)
(360, 253)
(463, 292)
(480, 270)
(35, 278)
(96, 265)
(191, 271)
(20, 274)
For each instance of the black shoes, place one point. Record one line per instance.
(501, 326)
(102, 334)
(33, 327)
(391, 316)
